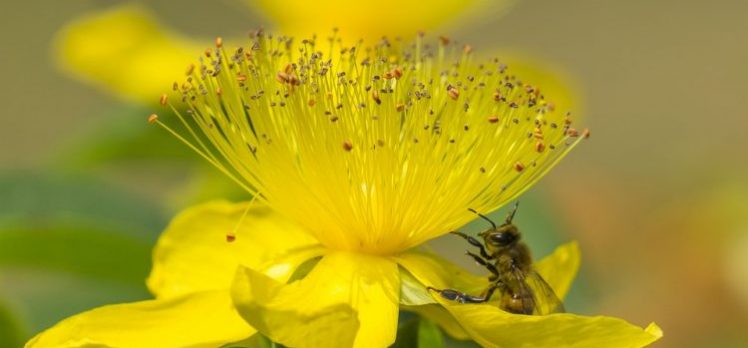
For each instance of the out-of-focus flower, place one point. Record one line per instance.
(369, 20)
(370, 151)
(126, 51)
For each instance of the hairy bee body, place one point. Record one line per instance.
(521, 289)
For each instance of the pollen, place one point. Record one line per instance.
(435, 130)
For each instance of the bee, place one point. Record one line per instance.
(521, 289)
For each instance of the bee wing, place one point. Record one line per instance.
(546, 301)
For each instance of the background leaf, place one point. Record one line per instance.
(11, 332)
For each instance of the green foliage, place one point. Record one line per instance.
(123, 137)
(418, 332)
(35, 200)
(11, 332)
(67, 244)
(80, 251)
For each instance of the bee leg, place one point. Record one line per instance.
(484, 263)
(461, 297)
(474, 242)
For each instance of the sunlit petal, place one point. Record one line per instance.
(205, 319)
(202, 247)
(492, 327)
(346, 300)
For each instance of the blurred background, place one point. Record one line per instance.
(658, 198)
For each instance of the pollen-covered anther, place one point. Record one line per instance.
(152, 118)
(453, 92)
(164, 98)
(586, 133)
(539, 146)
(375, 96)
(347, 145)
(241, 77)
(518, 166)
(219, 42)
(190, 69)
(493, 119)
(397, 73)
(537, 133)
(400, 107)
(572, 132)
(311, 102)
(230, 237)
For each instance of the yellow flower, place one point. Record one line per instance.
(364, 152)
(147, 55)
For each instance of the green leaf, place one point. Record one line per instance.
(80, 251)
(38, 200)
(11, 331)
(429, 334)
(407, 334)
(418, 332)
(124, 135)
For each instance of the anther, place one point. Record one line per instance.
(219, 42)
(190, 69)
(453, 93)
(493, 119)
(164, 98)
(519, 166)
(375, 96)
(586, 133)
(152, 119)
(347, 145)
(539, 146)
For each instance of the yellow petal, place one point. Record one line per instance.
(205, 319)
(366, 19)
(346, 300)
(492, 327)
(559, 268)
(194, 254)
(125, 51)
(422, 268)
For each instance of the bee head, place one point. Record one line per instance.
(503, 236)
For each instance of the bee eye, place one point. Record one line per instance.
(502, 238)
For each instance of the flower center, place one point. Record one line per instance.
(374, 149)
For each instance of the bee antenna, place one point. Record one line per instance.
(510, 217)
(483, 217)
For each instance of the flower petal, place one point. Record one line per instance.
(140, 64)
(422, 268)
(194, 254)
(492, 327)
(559, 268)
(205, 319)
(363, 19)
(346, 300)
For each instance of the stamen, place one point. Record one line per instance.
(433, 133)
